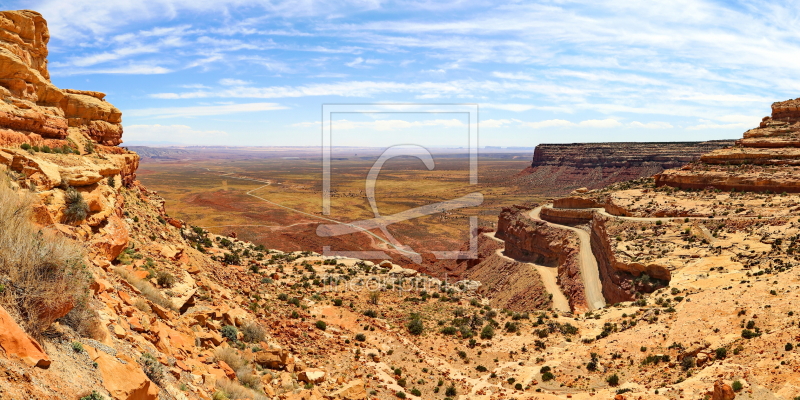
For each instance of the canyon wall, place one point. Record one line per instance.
(527, 239)
(561, 168)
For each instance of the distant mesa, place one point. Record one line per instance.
(767, 158)
(561, 168)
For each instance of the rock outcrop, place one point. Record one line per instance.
(564, 167)
(15, 342)
(532, 240)
(32, 105)
(767, 158)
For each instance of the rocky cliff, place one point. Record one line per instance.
(766, 158)
(561, 168)
(33, 109)
(532, 240)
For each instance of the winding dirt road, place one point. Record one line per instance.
(590, 273)
(549, 277)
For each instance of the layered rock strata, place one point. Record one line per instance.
(767, 158)
(564, 167)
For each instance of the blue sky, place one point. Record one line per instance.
(243, 72)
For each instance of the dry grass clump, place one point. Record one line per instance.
(41, 272)
(228, 390)
(231, 357)
(253, 333)
(148, 291)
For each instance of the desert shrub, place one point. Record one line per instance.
(111, 181)
(721, 353)
(228, 390)
(148, 291)
(687, 363)
(548, 376)
(77, 209)
(253, 333)
(449, 330)
(487, 332)
(230, 332)
(371, 313)
(41, 270)
(165, 279)
(361, 337)
(25, 146)
(77, 347)
(84, 320)
(416, 392)
(737, 386)
(337, 302)
(321, 325)
(152, 368)
(231, 357)
(613, 380)
(93, 396)
(416, 327)
(450, 391)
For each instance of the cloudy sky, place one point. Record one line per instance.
(250, 72)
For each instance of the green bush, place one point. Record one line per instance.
(737, 386)
(450, 391)
(337, 302)
(77, 347)
(721, 353)
(230, 332)
(487, 332)
(321, 325)
(361, 337)
(416, 392)
(77, 209)
(25, 146)
(416, 327)
(613, 380)
(93, 396)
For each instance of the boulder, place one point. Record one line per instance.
(15, 342)
(124, 381)
(353, 390)
(272, 358)
(312, 375)
(722, 391)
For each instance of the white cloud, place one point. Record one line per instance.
(123, 70)
(550, 123)
(561, 123)
(175, 133)
(712, 125)
(355, 62)
(509, 107)
(177, 112)
(385, 124)
(495, 123)
(651, 125)
(233, 82)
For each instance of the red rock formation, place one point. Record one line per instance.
(534, 240)
(31, 104)
(560, 168)
(14, 341)
(766, 158)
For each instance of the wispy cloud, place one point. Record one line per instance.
(175, 133)
(177, 112)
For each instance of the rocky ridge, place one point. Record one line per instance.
(767, 158)
(565, 167)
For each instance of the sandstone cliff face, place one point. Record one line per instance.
(35, 107)
(564, 167)
(766, 158)
(532, 240)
